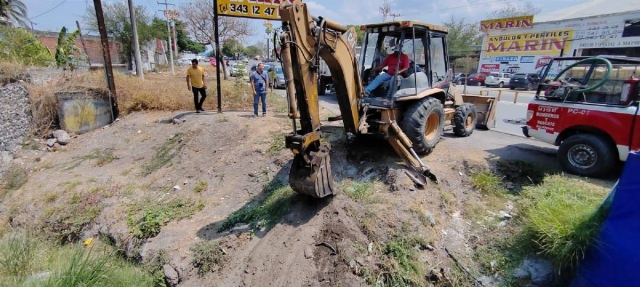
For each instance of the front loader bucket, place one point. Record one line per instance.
(313, 179)
(486, 107)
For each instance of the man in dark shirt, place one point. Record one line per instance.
(390, 62)
(260, 85)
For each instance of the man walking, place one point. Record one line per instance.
(391, 61)
(195, 83)
(260, 85)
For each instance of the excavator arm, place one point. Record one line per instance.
(303, 41)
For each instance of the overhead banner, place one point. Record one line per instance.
(258, 9)
(507, 23)
(549, 43)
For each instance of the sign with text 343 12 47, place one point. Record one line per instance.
(258, 9)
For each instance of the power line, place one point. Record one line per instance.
(49, 10)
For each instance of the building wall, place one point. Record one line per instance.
(526, 50)
(94, 48)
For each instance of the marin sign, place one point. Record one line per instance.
(538, 43)
(258, 9)
(507, 23)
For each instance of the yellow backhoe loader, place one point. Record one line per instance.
(412, 120)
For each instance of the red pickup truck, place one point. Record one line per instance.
(588, 106)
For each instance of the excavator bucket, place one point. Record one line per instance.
(314, 178)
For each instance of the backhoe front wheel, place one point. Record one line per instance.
(423, 123)
(465, 119)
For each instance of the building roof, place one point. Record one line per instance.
(589, 9)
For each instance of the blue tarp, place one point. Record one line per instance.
(615, 261)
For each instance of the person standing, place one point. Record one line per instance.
(260, 85)
(196, 84)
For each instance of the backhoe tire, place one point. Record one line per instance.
(465, 120)
(587, 155)
(423, 123)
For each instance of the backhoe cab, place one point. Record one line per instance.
(409, 111)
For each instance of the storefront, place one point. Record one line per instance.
(525, 44)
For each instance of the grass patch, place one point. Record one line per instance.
(487, 183)
(65, 223)
(401, 266)
(169, 149)
(278, 103)
(561, 217)
(102, 157)
(200, 186)
(147, 218)
(16, 176)
(358, 190)
(277, 144)
(266, 212)
(207, 255)
(32, 261)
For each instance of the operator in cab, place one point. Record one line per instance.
(390, 62)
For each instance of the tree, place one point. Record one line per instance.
(158, 30)
(14, 10)
(231, 48)
(253, 51)
(199, 19)
(66, 50)
(511, 10)
(20, 46)
(461, 37)
(118, 24)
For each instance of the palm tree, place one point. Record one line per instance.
(14, 10)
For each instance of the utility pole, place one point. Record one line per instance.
(166, 6)
(136, 44)
(175, 39)
(394, 16)
(84, 47)
(107, 58)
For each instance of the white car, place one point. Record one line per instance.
(497, 79)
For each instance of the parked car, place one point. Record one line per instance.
(498, 79)
(528, 81)
(459, 78)
(213, 62)
(476, 79)
(278, 81)
(237, 69)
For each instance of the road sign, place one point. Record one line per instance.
(172, 14)
(267, 9)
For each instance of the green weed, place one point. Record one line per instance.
(266, 212)
(200, 186)
(277, 144)
(206, 256)
(169, 149)
(561, 216)
(401, 266)
(102, 157)
(18, 255)
(487, 183)
(358, 190)
(147, 218)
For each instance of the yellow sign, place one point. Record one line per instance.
(172, 14)
(507, 23)
(259, 9)
(536, 43)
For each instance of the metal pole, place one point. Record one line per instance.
(175, 39)
(217, 37)
(173, 72)
(136, 43)
(107, 57)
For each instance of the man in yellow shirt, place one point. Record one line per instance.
(195, 83)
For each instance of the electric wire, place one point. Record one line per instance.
(48, 10)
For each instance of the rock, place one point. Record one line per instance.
(308, 252)
(429, 247)
(171, 275)
(510, 185)
(252, 174)
(51, 142)
(502, 224)
(429, 216)
(539, 270)
(39, 277)
(176, 187)
(62, 137)
(505, 215)
(5, 157)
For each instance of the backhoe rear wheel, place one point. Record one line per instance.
(423, 123)
(465, 119)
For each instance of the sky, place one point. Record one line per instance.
(51, 15)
